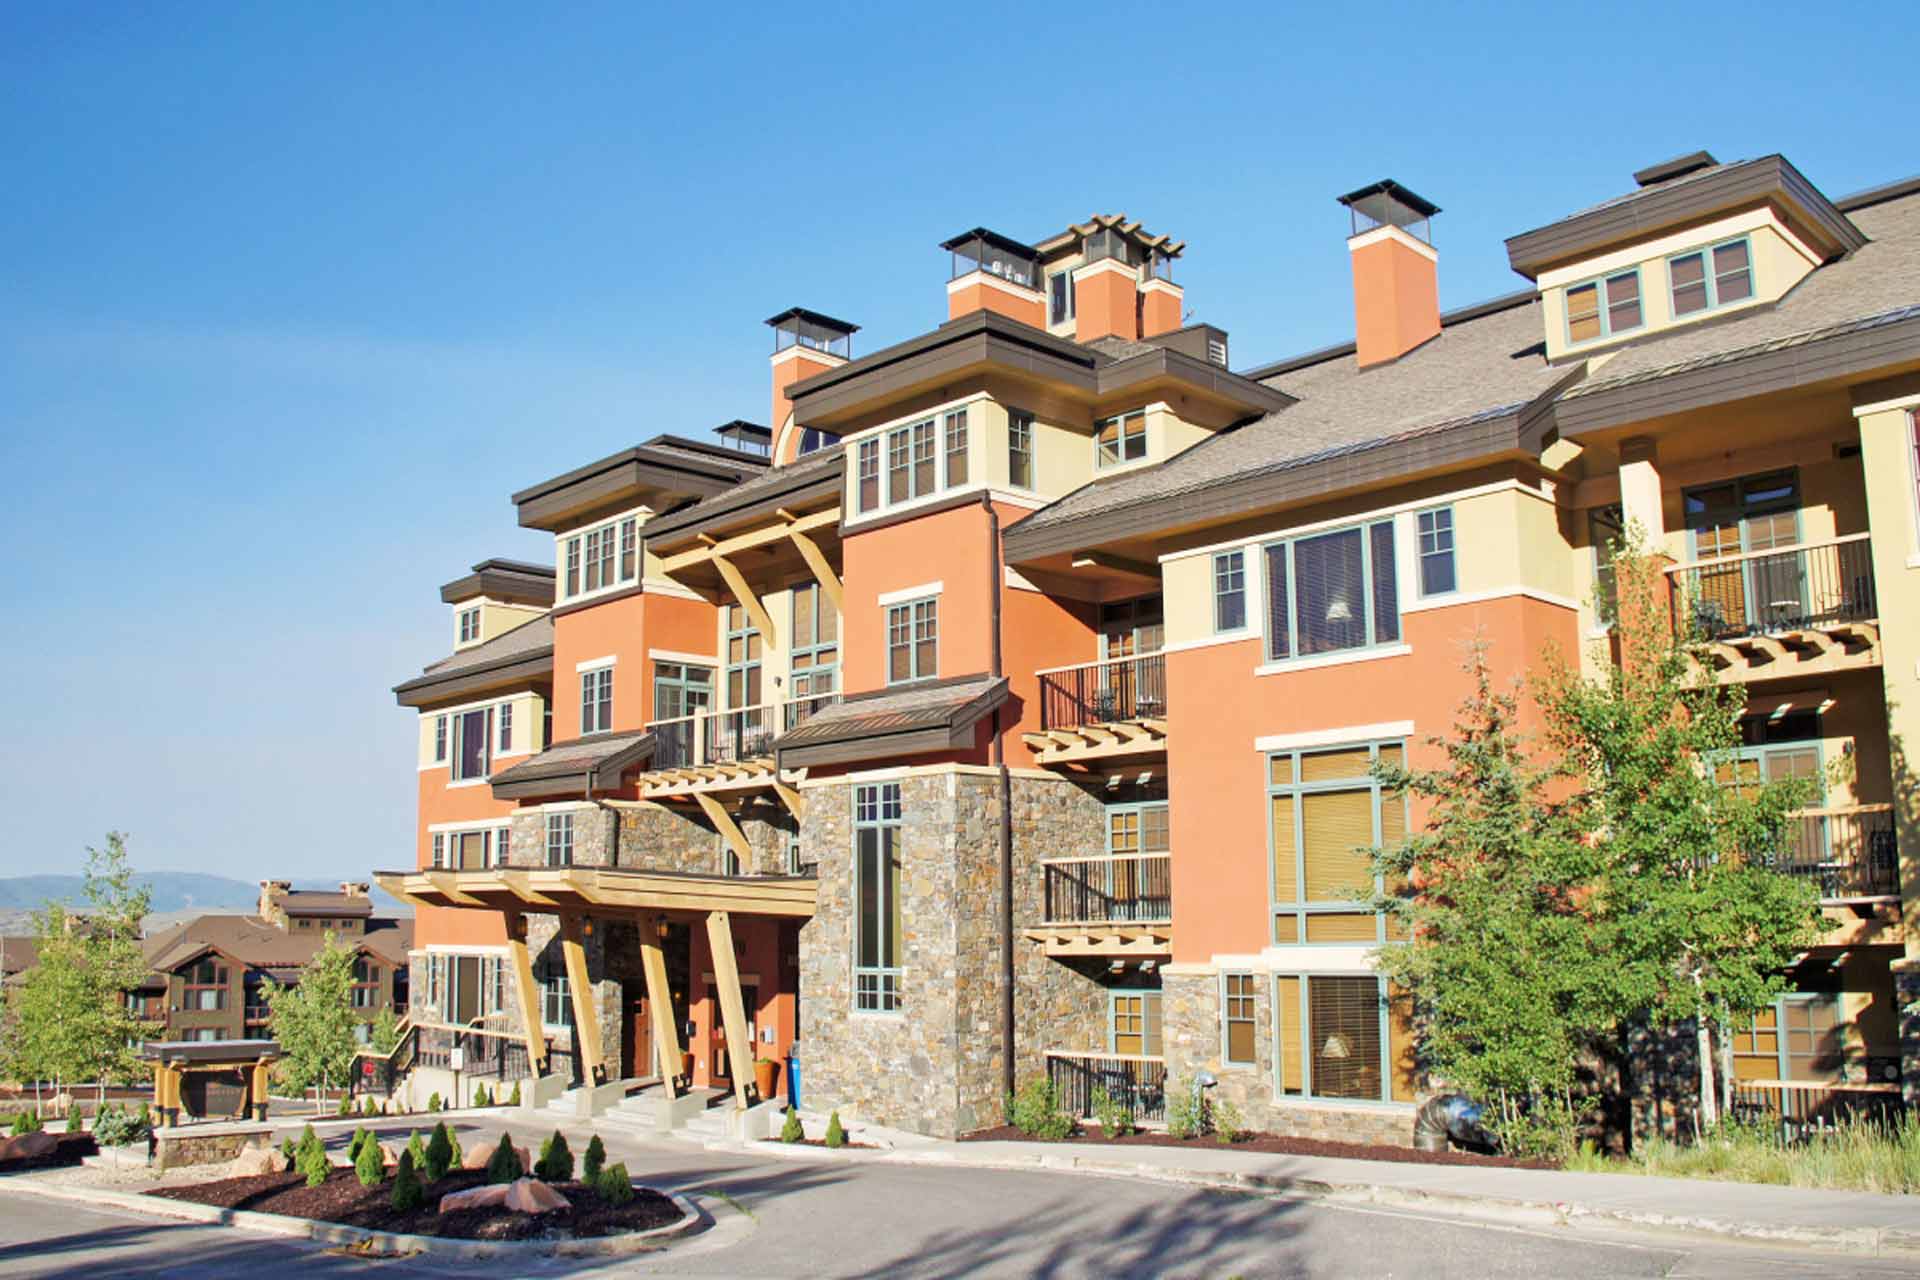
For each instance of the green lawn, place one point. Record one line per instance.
(1858, 1156)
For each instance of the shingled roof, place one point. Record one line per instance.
(527, 649)
(591, 763)
(251, 941)
(934, 715)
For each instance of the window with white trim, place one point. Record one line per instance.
(1229, 590)
(1436, 551)
(920, 460)
(1120, 439)
(1061, 296)
(868, 475)
(913, 640)
(469, 625)
(472, 743)
(1706, 279)
(1019, 449)
(503, 721)
(502, 838)
(1328, 592)
(596, 700)
(560, 839)
(440, 739)
(439, 850)
(876, 878)
(556, 1003)
(600, 558)
(955, 432)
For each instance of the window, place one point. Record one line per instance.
(1436, 551)
(956, 441)
(814, 658)
(1326, 813)
(470, 850)
(813, 440)
(439, 850)
(1061, 296)
(366, 983)
(1237, 1021)
(204, 987)
(1753, 513)
(469, 625)
(876, 869)
(1709, 278)
(869, 475)
(1019, 449)
(1134, 1023)
(503, 721)
(1230, 591)
(923, 458)
(596, 700)
(502, 837)
(913, 641)
(1332, 591)
(602, 557)
(1603, 308)
(439, 739)
(1343, 1037)
(560, 839)
(680, 690)
(1122, 439)
(556, 1008)
(472, 735)
(793, 852)
(743, 659)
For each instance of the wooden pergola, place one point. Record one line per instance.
(174, 1059)
(648, 898)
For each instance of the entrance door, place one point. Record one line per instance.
(636, 1047)
(722, 1067)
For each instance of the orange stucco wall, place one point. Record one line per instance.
(1396, 300)
(757, 948)
(1106, 304)
(684, 626)
(1217, 708)
(617, 628)
(787, 372)
(440, 926)
(984, 297)
(1160, 311)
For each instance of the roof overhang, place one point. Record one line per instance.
(862, 728)
(813, 486)
(767, 553)
(209, 1052)
(517, 669)
(510, 581)
(660, 473)
(556, 771)
(603, 890)
(1686, 200)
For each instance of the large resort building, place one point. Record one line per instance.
(1007, 706)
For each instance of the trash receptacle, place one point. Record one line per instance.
(793, 1074)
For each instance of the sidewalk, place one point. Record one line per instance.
(1835, 1221)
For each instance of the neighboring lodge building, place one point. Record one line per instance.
(1017, 691)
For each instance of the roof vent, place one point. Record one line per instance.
(1678, 167)
(747, 437)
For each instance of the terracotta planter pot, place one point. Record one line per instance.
(766, 1077)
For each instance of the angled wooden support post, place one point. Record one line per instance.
(728, 828)
(586, 1018)
(666, 1035)
(733, 1009)
(748, 601)
(817, 562)
(528, 993)
(789, 796)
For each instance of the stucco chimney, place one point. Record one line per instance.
(1396, 271)
(273, 894)
(805, 343)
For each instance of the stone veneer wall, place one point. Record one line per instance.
(666, 838)
(936, 1066)
(1191, 1033)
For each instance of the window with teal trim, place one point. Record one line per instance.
(1334, 591)
(1604, 307)
(1326, 812)
(1713, 277)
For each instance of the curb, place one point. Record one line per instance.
(1875, 1242)
(386, 1244)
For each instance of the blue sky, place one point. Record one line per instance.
(293, 296)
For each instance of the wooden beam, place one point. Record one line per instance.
(788, 797)
(728, 828)
(1117, 564)
(666, 1035)
(528, 993)
(733, 1011)
(586, 1017)
(445, 883)
(748, 600)
(752, 539)
(518, 882)
(822, 571)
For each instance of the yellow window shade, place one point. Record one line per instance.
(1286, 928)
(1333, 766)
(1287, 997)
(1400, 1045)
(1280, 771)
(1337, 831)
(1286, 883)
(1345, 926)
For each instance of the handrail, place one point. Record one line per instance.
(1816, 545)
(1824, 1086)
(711, 713)
(1839, 810)
(1104, 662)
(1107, 857)
(1106, 1057)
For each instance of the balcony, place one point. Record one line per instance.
(1102, 710)
(1115, 906)
(1801, 610)
(1849, 853)
(1136, 1081)
(721, 750)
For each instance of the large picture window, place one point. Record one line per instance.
(472, 736)
(1345, 1037)
(1326, 813)
(1330, 592)
(876, 872)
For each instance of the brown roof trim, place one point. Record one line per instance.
(1850, 349)
(815, 481)
(857, 738)
(1167, 362)
(661, 464)
(977, 337)
(1460, 315)
(530, 778)
(1681, 200)
(945, 502)
(514, 581)
(532, 664)
(1879, 195)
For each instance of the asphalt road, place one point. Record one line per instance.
(775, 1218)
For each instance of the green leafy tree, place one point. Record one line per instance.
(53, 1014)
(114, 961)
(384, 1036)
(313, 1021)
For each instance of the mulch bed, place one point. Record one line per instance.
(342, 1199)
(1272, 1144)
(73, 1148)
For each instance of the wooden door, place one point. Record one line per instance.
(636, 1054)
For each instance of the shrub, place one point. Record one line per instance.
(113, 1127)
(792, 1131)
(25, 1122)
(479, 1095)
(406, 1184)
(368, 1107)
(287, 1148)
(1186, 1111)
(417, 1148)
(1114, 1115)
(308, 1141)
(314, 1163)
(73, 1120)
(353, 1143)
(370, 1165)
(836, 1136)
(346, 1106)
(596, 1159)
(459, 1157)
(1226, 1123)
(556, 1160)
(1035, 1111)
(513, 1099)
(433, 1101)
(439, 1153)
(505, 1164)
(615, 1185)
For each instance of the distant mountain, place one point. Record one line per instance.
(173, 892)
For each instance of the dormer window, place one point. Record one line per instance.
(1603, 308)
(1709, 278)
(469, 625)
(1121, 439)
(603, 557)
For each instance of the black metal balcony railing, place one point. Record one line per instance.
(1850, 852)
(1134, 888)
(1801, 1107)
(1104, 692)
(1135, 1081)
(728, 737)
(485, 1055)
(1768, 592)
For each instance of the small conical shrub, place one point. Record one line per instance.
(370, 1165)
(513, 1099)
(406, 1184)
(596, 1160)
(792, 1130)
(369, 1109)
(556, 1160)
(615, 1184)
(308, 1141)
(314, 1163)
(346, 1106)
(73, 1120)
(459, 1156)
(836, 1136)
(433, 1101)
(479, 1095)
(505, 1163)
(417, 1148)
(439, 1154)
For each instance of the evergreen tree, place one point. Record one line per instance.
(406, 1184)
(595, 1160)
(439, 1153)
(370, 1166)
(556, 1160)
(504, 1166)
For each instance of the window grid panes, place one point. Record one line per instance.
(440, 739)
(1605, 307)
(602, 557)
(503, 721)
(1329, 592)
(1229, 591)
(560, 839)
(1709, 278)
(1019, 449)
(955, 432)
(913, 631)
(596, 700)
(815, 653)
(1237, 1018)
(869, 474)
(1436, 551)
(469, 625)
(744, 645)
(472, 737)
(1326, 813)
(877, 927)
(1121, 439)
